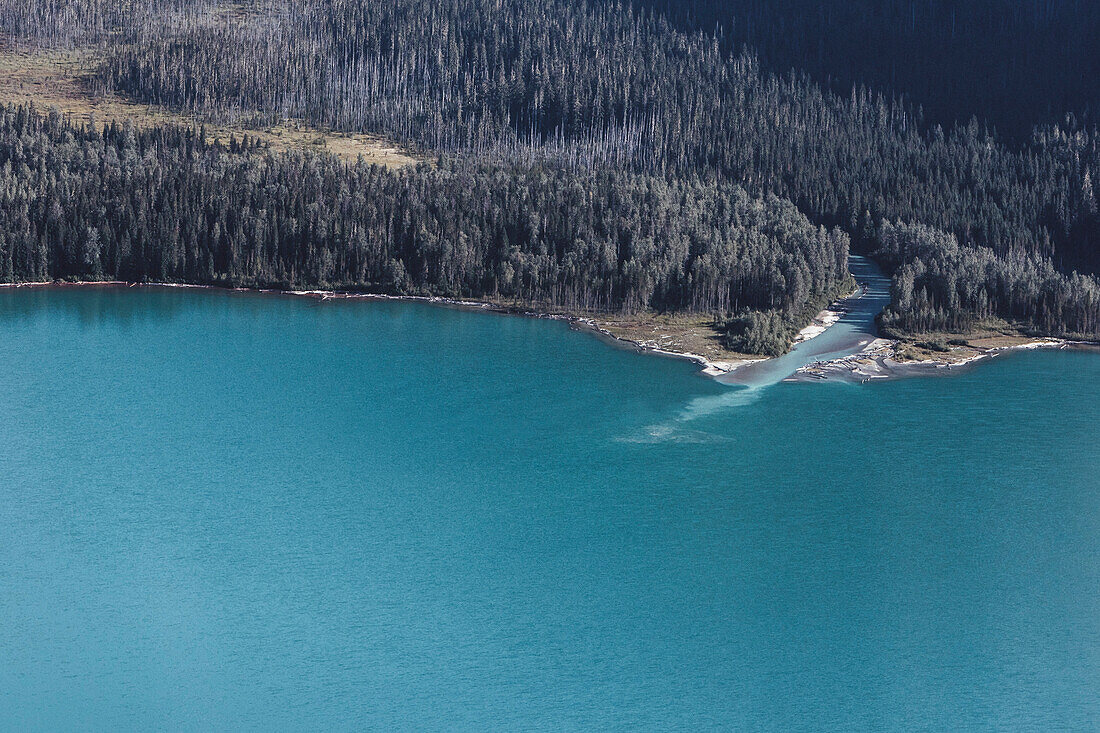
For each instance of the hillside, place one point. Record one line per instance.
(972, 228)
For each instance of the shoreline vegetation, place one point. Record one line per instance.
(665, 335)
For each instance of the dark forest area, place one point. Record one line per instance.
(1010, 63)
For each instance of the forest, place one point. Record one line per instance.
(165, 205)
(559, 96)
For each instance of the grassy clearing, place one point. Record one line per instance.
(692, 334)
(62, 80)
(956, 347)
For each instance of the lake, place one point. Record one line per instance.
(230, 511)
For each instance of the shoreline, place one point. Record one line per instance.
(876, 361)
(707, 367)
(586, 323)
(827, 317)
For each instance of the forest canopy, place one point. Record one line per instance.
(166, 205)
(533, 103)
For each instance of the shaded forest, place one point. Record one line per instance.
(1011, 63)
(594, 91)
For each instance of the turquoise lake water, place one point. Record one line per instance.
(227, 511)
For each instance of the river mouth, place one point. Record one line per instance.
(849, 335)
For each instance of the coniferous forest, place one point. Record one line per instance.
(166, 205)
(586, 155)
